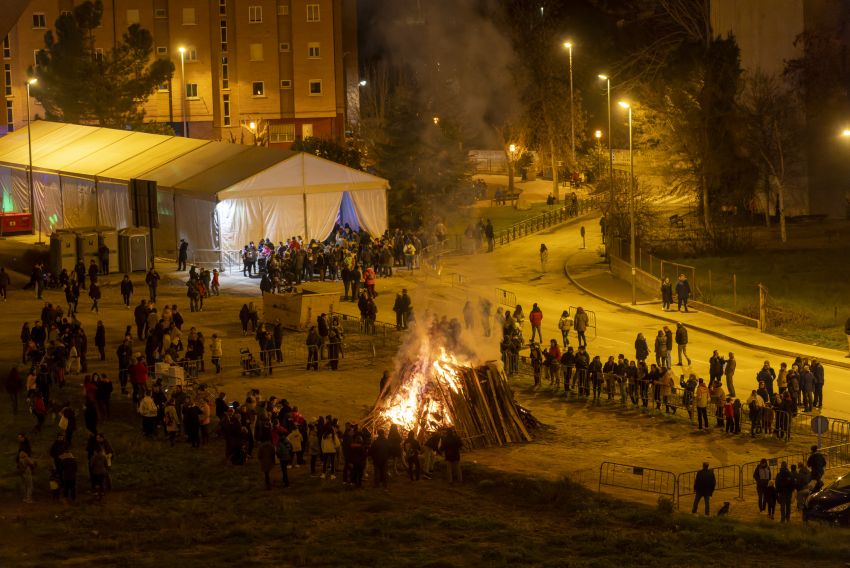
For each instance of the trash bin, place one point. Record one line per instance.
(63, 251)
(133, 250)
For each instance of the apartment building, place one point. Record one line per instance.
(288, 65)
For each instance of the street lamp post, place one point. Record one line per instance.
(598, 136)
(182, 51)
(253, 127)
(569, 47)
(30, 83)
(628, 107)
(610, 153)
(511, 151)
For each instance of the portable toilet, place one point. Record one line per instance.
(109, 236)
(133, 250)
(63, 251)
(87, 245)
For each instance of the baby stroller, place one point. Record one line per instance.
(250, 366)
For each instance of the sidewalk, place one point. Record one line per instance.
(587, 273)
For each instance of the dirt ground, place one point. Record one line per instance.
(577, 438)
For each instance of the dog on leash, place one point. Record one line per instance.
(724, 510)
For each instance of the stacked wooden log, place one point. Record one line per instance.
(481, 409)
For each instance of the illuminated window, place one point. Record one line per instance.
(191, 90)
(313, 50)
(255, 14)
(132, 17)
(313, 14)
(256, 52)
(161, 50)
(162, 88)
(39, 21)
(225, 110)
(225, 73)
(258, 89)
(188, 16)
(307, 130)
(191, 54)
(281, 133)
(315, 87)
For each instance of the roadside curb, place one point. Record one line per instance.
(774, 350)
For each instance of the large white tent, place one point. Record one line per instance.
(216, 195)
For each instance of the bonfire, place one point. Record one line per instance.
(435, 390)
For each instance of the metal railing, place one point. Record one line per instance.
(505, 298)
(637, 478)
(542, 221)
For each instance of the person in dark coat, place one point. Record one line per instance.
(13, 385)
(785, 485)
(100, 339)
(379, 451)
(704, 485)
(126, 290)
(666, 294)
(683, 291)
(182, 255)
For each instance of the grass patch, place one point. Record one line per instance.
(502, 216)
(808, 291)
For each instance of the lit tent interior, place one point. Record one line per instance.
(216, 195)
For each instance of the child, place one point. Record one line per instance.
(736, 407)
(770, 497)
(729, 415)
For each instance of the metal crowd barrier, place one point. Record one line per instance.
(637, 478)
(505, 298)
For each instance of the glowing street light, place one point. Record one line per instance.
(598, 136)
(846, 132)
(182, 51)
(30, 83)
(436, 120)
(512, 148)
(628, 107)
(363, 83)
(610, 154)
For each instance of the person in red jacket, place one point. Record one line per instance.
(369, 281)
(535, 318)
(138, 378)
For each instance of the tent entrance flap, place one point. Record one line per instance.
(348, 213)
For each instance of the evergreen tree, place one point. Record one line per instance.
(78, 84)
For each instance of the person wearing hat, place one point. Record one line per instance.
(402, 307)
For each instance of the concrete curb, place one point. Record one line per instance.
(782, 352)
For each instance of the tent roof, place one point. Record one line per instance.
(303, 173)
(202, 168)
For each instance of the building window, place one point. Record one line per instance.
(98, 54)
(255, 14)
(39, 21)
(67, 13)
(258, 89)
(283, 10)
(188, 16)
(132, 17)
(7, 78)
(315, 87)
(191, 90)
(162, 88)
(313, 14)
(161, 50)
(10, 117)
(225, 110)
(281, 133)
(256, 52)
(222, 7)
(7, 48)
(225, 75)
(223, 33)
(35, 56)
(284, 47)
(313, 50)
(306, 130)
(191, 54)
(286, 83)
(160, 13)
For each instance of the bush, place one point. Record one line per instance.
(665, 505)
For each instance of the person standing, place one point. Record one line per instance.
(152, 280)
(13, 384)
(641, 348)
(666, 294)
(26, 466)
(817, 465)
(412, 450)
(265, 455)
(583, 235)
(100, 339)
(682, 342)
(817, 370)
(535, 318)
(580, 323)
(683, 291)
(491, 242)
(846, 332)
(182, 255)
(704, 485)
(660, 349)
(565, 324)
(126, 290)
(4, 282)
(216, 352)
(762, 477)
(729, 371)
(103, 256)
(701, 396)
(94, 294)
(38, 279)
(452, 445)
(767, 375)
(401, 307)
(785, 484)
(379, 451)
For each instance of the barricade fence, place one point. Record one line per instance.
(637, 478)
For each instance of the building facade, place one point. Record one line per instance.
(289, 67)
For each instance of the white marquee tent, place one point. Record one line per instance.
(216, 195)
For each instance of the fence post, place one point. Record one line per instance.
(762, 308)
(734, 293)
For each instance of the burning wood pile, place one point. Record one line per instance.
(438, 391)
